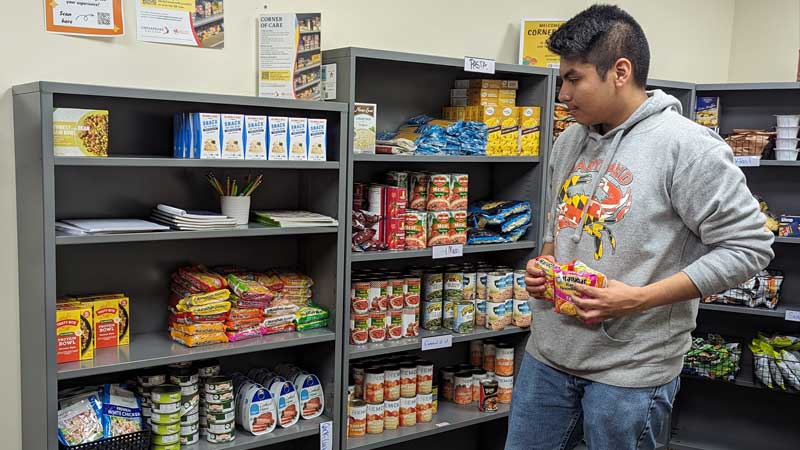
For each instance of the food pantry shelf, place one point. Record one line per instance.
(135, 161)
(250, 230)
(428, 252)
(787, 240)
(244, 441)
(779, 311)
(446, 158)
(449, 417)
(382, 348)
(157, 349)
(207, 20)
(303, 69)
(772, 162)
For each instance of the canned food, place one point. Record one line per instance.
(166, 408)
(377, 326)
(497, 288)
(391, 414)
(190, 403)
(165, 418)
(190, 428)
(478, 375)
(214, 418)
(357, 418)
(146, 411)
(424, 413)
(522, 315)
(360, 297)
(220, 438)
(190, 439)
(505, 387)
(424, 377)
(448, 314)
(495, 315)
(397, 179)
(151, 378)
(373, 385)
(520, 291)
(209, 368)
(432, 315)
(476, 353)
(191, 389)
(375, 418)
(488, 396)
(166, 439)
(221, 427)
(397, 294)
(167, 393)
(377, 295)
(469, 286)
(391, 383)
(508, 312)
(481, 284)
(408, 411)
(504, 360)
(408, 379)
(219, 397)
(480, 312)
(464, 321)
(410, 324)
(453, 286)
(162, 430)
(489, 351)
(184, 376)
(411, 296)
(219, 407)
(217, 384)
(418, 190)
(447, 382)
(462, 382)
(359, 328)
(435, 400)
(432, 286)
(438, 192)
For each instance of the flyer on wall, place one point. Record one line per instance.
(101, 18)
(197, 23)
(533, 37)
(289, 56)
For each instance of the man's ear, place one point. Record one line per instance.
(623, 72)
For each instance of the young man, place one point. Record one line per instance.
(655, 202)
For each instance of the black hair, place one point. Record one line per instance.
(600, 35)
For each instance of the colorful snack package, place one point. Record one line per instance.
(209, 309)
(245, 313)
(249, 290)
(81, 422)
(194, 340)
(197, 328)
(278, 328)
(199, 277)
(192, 318)
(244, 333)
(281, 309)
(242, 324)
(205, 298)
(308, 314)
(549, 269)
(312, 325)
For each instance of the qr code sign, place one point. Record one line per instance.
(103, 18)
(150, 2)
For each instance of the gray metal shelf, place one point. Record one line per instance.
(787, 240)
(779, 311)
(158, 349)
(449, 417)
(207, 20)
(428, 252)
(245, 441)
(406, 344)
(250, 230)
(772, 162)
(445, 159)
(747, 86)
(136, 161)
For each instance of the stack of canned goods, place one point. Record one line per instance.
(388, 393)
(161, 408)
(187, 377)
(487, 379)
(384, 305)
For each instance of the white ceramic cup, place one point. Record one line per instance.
(237, 208)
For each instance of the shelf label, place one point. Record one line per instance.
(326, 435)
(792, 316)
(442, 424)
(480, 65)
(434, 342)
(448, 251)
(747, 161)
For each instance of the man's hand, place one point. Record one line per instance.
(534, 278)
(617, 299)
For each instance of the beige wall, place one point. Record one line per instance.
(690, 41)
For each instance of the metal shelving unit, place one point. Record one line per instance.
(138, 174)
(420, 84)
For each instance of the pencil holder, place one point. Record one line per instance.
(237, 208)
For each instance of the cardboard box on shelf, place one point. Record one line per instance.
(530, 122)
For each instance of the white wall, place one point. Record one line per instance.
(690, 41)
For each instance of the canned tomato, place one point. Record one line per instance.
(394, 324)
(432, 286)
(424, 412)
(408, 379)
(432, 315)
(413, 286)
(497, 288)
(448, 314)
(391, 383)
(505, 386)
(377, 326)
(468, 288)
(521, 316)
(476, 353)
(360, 296)
(373, 385)
(481, 284)
(462, 385)
(520, 293)
(408, 411)
(359, 328)
(424, 377)
(374, 418)
(397, 296)
(489, 351)
(488, 396)
(504, 360)
(391, 414)
(495, 315)
(410, 324)
(464, 321)
(377, 295)
(478, 375)
(480, 312)
(357, 374)
(357, 418)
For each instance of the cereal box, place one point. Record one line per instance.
(509, 131)
(232, 136)
(530, 125)
(506, 101)
(206, 136)
(255, 138)
(80, 132)
(298, 139)
(483, 93)
(486, 84)
(317, 139)
(74, 333)
(278, 135)
(364, 126)
(458, 101)
(707, 112)
(507, 93)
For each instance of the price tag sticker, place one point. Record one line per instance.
(434, 342)
(448, 251)
(747, 161)
(326, 435)
(479, 65)
(792, 316)
(442, 424)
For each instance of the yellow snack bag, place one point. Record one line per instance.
(509, 131)
(530, 125)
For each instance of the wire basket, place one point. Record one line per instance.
(713, 357)
(778, 373)
(749, 142)
(132, 441)
(762, 290)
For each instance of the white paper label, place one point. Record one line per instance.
(480, 65)
(448, 251)
(326, 435)
(792, 316)
(442, 424)
(747, 161)
(434, 342)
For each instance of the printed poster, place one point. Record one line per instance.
(290, 56)
(197, 23)
(102, 18)
(533, 37)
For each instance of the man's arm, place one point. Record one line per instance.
(548, 249)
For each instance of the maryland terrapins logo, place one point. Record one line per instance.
(611, 202)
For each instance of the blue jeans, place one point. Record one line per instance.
(552, 410)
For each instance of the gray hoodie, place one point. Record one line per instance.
(666, 197)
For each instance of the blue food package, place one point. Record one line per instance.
(206, 136)
(516, 221)
(122, 412)
(495, 212)
(80, 422)
(789, 226)
(476, 237)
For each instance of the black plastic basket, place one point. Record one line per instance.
(713, 357)
(772, 369)
(132, 441)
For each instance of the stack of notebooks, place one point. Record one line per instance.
(80, 227)
(283, 218)
(186, 220)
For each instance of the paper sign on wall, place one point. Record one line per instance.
(101, 18)
(533, 37)
(290, 56)
(194, 23)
